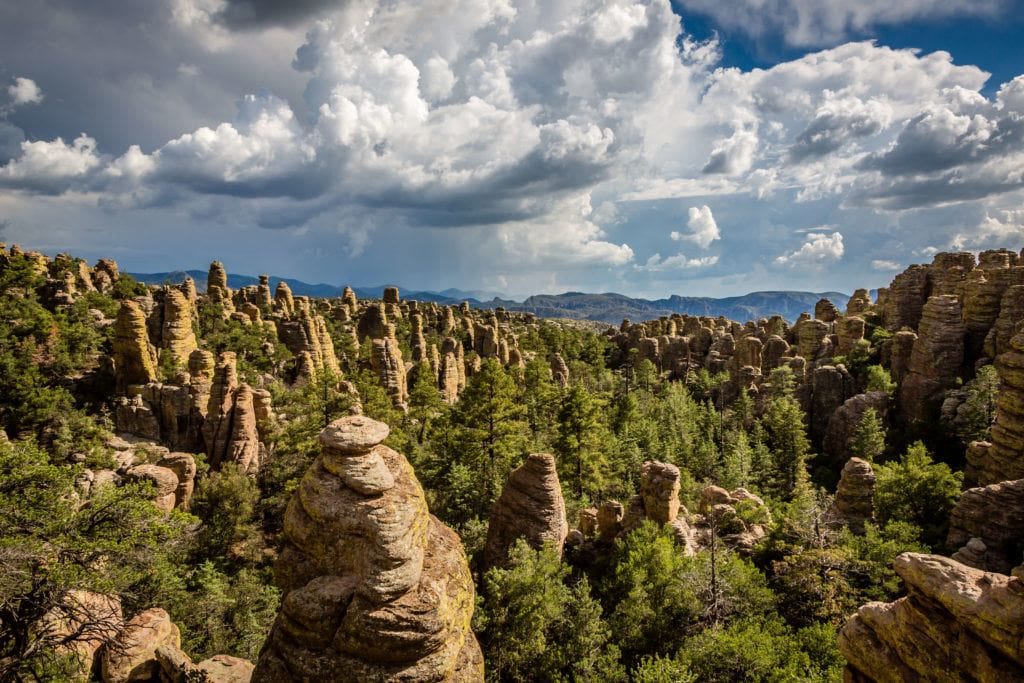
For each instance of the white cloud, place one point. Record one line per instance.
(702, 226)
(657, 264)
(883, 264)
(819, 249)
(733, 155)
(1005, 229)
(24, 91)
(52, 166)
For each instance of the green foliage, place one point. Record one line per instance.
(660, 595)
(118, 544)
(786, 439)
(868, 439)
(756, 650)
(879, 379)
(917, 490)
(220, 614)
(580, 441)
(539, 628)
(975, 418)
(226, 501)
(655, 669)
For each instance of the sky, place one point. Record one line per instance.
(646, 147)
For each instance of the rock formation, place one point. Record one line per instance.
(132, 655)
(956, 623)
(1004, 459)
(993, 514)
(386, 360)
(844, 422)
(659, 488)
(374, 587)
(530, 507)
(936, 359)
(178, 337)
(134, 358)
(230, 430)
(855, 497)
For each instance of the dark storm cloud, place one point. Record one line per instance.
(246, 14)
(940, 140)
(131, 72)
(830, 130)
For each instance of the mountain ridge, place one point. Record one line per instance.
(607, 307)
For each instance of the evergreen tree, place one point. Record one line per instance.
(579, 441)
(868, 439)
(917, 490)
(491, 435)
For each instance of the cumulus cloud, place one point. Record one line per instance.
(885, 265)
(702, 226)
(1004, 229)
(734, 154)
(819, 249)
(812, 23)
(657, 264)
(502, 124)
(838, 121)
(24, 91)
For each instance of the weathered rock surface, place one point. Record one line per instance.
(855, 497)
(659, 488)
(134, 357)
(1004, 459)
(375, 588)
(955, 624)
(844, 422)
(132, 655)
(178, 337)
(995, 515)
(530, 507)
(936, 359)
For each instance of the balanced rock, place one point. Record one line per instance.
(374, 587)
(530, 507)
(659, 488)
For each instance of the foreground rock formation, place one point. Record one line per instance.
(374, 587)
(956, 623)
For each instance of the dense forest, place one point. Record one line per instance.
(778, 539)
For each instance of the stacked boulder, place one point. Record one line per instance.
(374, 587)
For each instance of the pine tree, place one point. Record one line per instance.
(492, 431)
(579, 440)
(868, 439)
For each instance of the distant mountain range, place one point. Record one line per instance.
(609, 308)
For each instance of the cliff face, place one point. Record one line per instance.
(956, 623)
(374, 587)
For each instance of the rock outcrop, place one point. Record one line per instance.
(936, 359)
(993, 514)
(530, 507)
(132, 655)
(178, 338)
(374, 587)
(135, 359)
(854, 502)
(956, 623)
(1004, 459)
